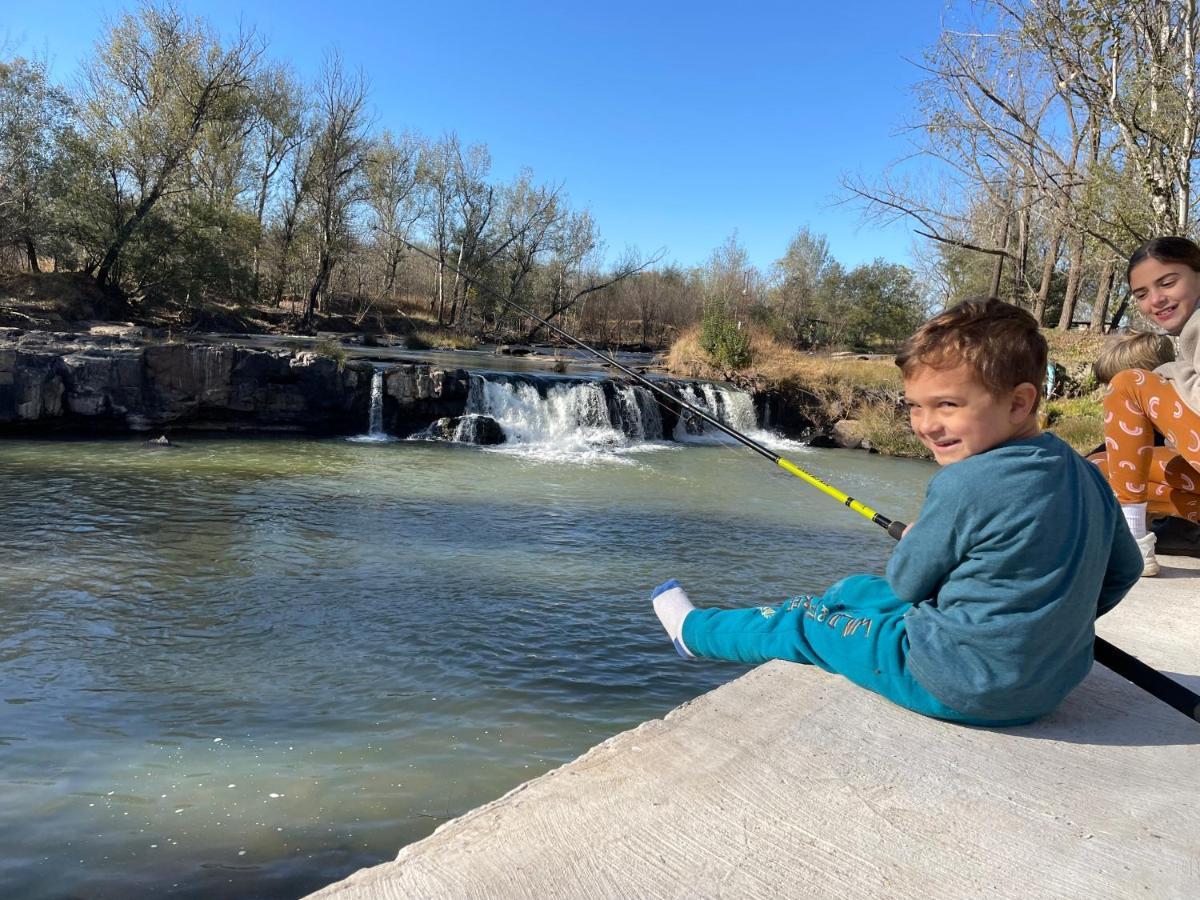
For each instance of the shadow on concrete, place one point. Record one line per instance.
(1169, 571)
(1107, 710)
(1192, 682)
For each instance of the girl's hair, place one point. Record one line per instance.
(1136, 350)
(1000, 342)
(1166, 250)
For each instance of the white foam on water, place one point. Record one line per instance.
(591, 422)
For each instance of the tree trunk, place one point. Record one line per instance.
(124, 233)
(998, 271)
(31, 254)
(1051, 260)
(393, 263)
(1018, 279)
(318, 286)
(1116, 316)
(1074, 274)
(439, 298)
(1103, 292)
(454, 286)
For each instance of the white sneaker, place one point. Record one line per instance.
(1149, 562)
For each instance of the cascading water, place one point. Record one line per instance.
(544, 413)
(375, 432)
(375, 420)
(562, 414)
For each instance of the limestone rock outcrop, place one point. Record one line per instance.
(130, 381)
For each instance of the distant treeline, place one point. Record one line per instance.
(187, 169)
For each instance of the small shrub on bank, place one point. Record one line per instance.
(885, 427)
(333, 349)
(1078, 421)
(723, 340)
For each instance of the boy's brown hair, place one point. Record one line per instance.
(1000, 342)
(1136, 350)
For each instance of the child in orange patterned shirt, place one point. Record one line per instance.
(1164, 278)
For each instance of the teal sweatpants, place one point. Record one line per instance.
(856, 630)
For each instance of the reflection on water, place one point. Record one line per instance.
(247, 668)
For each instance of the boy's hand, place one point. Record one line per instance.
(907, 528)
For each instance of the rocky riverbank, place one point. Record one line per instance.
(116, 379)
(127, 379)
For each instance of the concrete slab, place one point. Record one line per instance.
(792, 783)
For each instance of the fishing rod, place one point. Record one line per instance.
(1124, 664)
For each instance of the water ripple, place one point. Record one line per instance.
(247, 667)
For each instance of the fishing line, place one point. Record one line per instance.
(1124, 664)
(893, 527)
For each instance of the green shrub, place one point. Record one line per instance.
(333, 349)
(723, 340)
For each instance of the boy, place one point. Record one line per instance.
(986, 614)
(1135, 350)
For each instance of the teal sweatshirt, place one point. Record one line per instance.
(1014, 554)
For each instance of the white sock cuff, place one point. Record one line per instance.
(1135, 516)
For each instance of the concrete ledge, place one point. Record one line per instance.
(792, 783)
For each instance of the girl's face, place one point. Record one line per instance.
(1166, 292)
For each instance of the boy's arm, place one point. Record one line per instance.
(1124, 569)
(927, 553)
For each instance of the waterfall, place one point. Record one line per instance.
(532, 411)
(375, 432)
(375, 420)
(727, 405)
(554, 414)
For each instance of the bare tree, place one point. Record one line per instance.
(475, 200)
(391, 173)
(277, 130)
(437, 179)
(338, 156)
(297, 169)
(1135, 65)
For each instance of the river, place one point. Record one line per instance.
(247, 667)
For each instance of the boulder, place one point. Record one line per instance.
(467, 429)
(848, 434)
(415, 394)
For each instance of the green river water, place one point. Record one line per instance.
(246, 668)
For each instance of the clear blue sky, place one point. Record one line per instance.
(674, 123)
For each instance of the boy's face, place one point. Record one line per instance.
(955, 416)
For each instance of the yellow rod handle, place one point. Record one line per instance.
(844, 499)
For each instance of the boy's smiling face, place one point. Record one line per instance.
(955, 416)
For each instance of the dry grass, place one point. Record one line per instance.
(1077, 421)
(438, 339)
(885, 427)
(777, 362)
(831, 388)
(1073, 349)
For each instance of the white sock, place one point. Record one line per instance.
(1135, 515)
(671, 605)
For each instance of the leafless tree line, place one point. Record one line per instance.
(187, 165)
(1064, 134)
